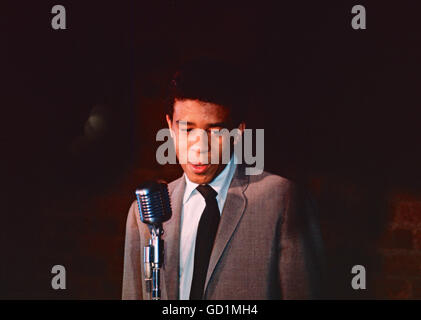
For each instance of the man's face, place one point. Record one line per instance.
(192, 150)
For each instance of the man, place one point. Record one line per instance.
(232, 235)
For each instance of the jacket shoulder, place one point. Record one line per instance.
(173, 184)
(271, 181)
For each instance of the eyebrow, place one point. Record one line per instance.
(185, 122)
(210, 125)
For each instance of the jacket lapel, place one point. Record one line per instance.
(235, 205)
(171, 239)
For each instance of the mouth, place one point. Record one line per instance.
(198, 168)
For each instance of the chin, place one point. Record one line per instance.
(199, 179)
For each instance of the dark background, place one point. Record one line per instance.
(340, 109)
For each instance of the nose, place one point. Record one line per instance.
(199, 141)
(199, 146)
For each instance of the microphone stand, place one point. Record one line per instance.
(153, 261)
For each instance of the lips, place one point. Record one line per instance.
(198, 168)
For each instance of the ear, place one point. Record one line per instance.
(169, 122)
(241, 128)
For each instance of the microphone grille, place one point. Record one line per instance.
(154, 202)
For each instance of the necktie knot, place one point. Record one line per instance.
(207, 192)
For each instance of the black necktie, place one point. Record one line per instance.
(205, 237)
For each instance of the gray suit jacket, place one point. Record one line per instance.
(268, 245)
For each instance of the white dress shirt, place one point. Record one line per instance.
(193, 206)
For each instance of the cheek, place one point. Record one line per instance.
(216, 144)
(220, 144)
(180, 145)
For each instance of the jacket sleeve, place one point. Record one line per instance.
(132, 281)
(301, 256)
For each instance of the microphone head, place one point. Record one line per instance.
(153, 201)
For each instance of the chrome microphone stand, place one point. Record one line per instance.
(153, 260)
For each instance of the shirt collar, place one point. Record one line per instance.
(219, 183)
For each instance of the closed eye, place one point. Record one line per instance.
(214, 130)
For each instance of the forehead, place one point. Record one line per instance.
(199, 112)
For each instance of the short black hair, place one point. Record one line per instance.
(213, 81)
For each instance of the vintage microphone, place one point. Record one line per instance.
(155, 208)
